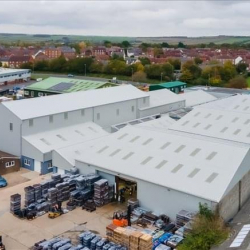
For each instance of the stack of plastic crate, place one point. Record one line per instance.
(15, 203)
(101, 191)
(29, 195)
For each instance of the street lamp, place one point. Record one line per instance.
(161, 76)
(132, 73)
(85, 69)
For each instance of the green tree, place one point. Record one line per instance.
(107, 44)
(139, 76)
(181, 45)
(28, 65)
(125, 44)
(58, 64)
(238, 82)
(229, 71)
(242, 67)
(167, 70)
(175, 62)
(42, 65)
(144, 61)
(153, 71)
(116, 67)
(165, 45)
(96, 67)
(198, 60)
(186, 76)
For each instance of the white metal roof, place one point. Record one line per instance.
(160, 124)
(162, 97)
(198, 97)
(48, 105)
(236, 103)
(217, 123)
(4, 71)
(197, 167)
(63, 137)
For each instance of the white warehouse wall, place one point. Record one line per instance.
(10, 141)
(161, 200)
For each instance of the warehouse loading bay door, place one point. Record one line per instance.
(125, 189)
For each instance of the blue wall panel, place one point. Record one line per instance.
(27, 162)
(46, 167)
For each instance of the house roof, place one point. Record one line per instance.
(48, 105)
(66, 85)
(190, 165)
(7, 71)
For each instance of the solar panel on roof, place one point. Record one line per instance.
(195, 152)
(208, 126)
(135, 138)
(224, 129)
(179, 149)
(207, 115)
(147, 141)
(235, 119)
(165, 145)
(196, 125)
(237, 131)
(219, 117)
(62, 86)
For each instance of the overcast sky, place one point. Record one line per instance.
(126, 18)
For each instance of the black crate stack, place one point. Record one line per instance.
(15, 203)
(101, 192)
(29, 195)
(52, 196)
(56, 178)
(63, 191)
(37, 191)
(44, 188)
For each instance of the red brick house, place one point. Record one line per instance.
(17, 61)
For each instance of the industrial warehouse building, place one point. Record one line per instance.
(41, 122)
(184, 162)
(12, 76)
(9, 163)
(56, 85)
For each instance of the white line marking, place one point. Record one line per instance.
(241, 236)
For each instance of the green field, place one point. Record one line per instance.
(248, 82)
(27, 38)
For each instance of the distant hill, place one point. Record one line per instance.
(8, 38)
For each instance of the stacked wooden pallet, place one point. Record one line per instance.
(110, 232)
(118, 235)
(145, 242)
(134, 240)
(126, 237)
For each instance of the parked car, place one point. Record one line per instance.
(70, 75)
(3, 182)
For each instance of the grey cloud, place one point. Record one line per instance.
(126, 18)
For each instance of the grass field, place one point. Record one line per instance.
(10, 38)
(248, 82)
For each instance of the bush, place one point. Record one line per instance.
(208, 230)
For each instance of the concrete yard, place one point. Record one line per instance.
(22, 234)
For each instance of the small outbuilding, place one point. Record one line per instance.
(9, 163)
(175, 86)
